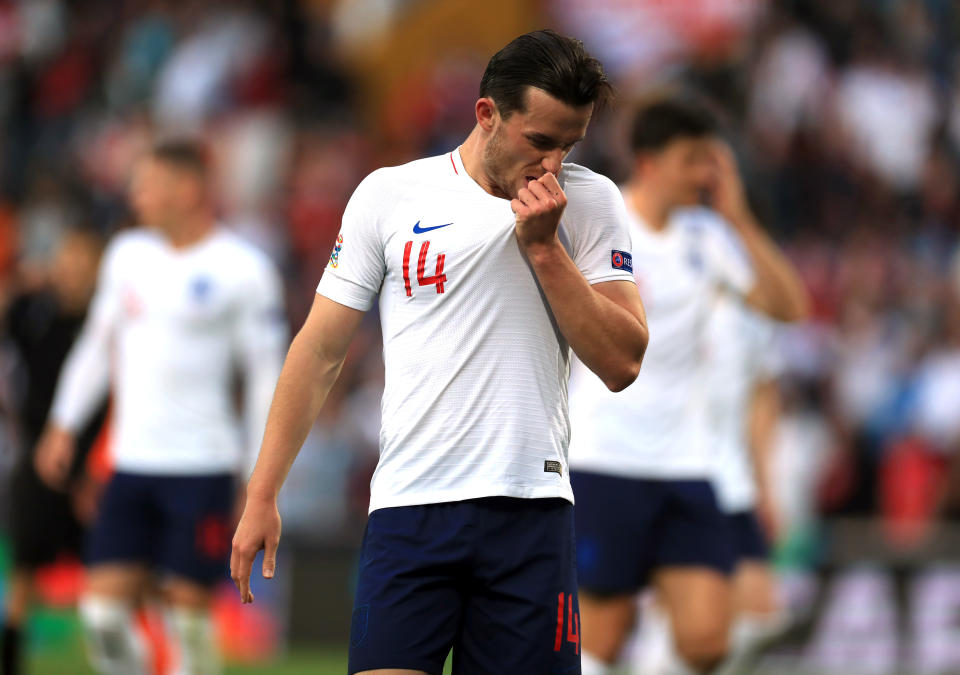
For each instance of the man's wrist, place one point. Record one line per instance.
(543, 253)
(261, 493)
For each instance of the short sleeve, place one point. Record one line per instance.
(356, 269)
(726, 258)
(597, 225)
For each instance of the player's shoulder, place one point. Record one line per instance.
(583, 184)
(130, 246)
(135, 238)
(240, 254)
(391, 178)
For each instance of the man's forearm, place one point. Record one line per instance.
(781, 292)
(608, 338)
(302, 389)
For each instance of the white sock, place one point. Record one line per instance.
(196, 644)
(656, 653)
(650, 652)
(591, 665)
(749, 633)
(114, 645)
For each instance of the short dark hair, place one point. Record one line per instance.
(543, 59)
(658, 122)
(185, 154)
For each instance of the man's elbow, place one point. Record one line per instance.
(626, 371)
(798, 309)
(622, 377)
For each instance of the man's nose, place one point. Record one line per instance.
(553, 161)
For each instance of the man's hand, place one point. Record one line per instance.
(728, 196)
(539, 207)
(54, 456)
(259, 529)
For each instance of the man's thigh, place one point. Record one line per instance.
(699, 602)
(521, 614)
(412, 576)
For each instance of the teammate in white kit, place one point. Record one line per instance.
(641, 461)
(742, 395)
(180, 306)
(490, 262)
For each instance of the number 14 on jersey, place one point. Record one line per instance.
(438, 279)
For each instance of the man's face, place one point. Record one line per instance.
(682, 171)
(162, 195)
(533, 142)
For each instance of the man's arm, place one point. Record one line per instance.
(777, 291)
(605, 323)
(762, 425)
(84, 380)
(312, 365)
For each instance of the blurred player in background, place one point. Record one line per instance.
(642, 463)
(742, 364)
(180, 306)
(41, 326)
(490, 262)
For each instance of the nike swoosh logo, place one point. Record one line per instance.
(420, 230)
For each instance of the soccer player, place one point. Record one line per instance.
(742, 410)
(490, 262)
(41, 326)
(180, 306)
(641, 462)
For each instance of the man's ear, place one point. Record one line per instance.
(487, 113)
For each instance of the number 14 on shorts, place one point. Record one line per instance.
(572, 620)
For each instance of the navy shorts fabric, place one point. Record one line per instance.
(494, 579)
(181, 525)
(628, 527)
(747, 537)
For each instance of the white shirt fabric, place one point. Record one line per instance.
(475, 392)
(741, 351)
(167, 331)
(934, 414)
(654, 428)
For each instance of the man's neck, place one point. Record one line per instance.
(471, 153)
(647, 204)
(192, 231)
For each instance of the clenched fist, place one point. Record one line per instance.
(538, 208)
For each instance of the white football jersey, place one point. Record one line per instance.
(740, 352)
(167, 332)
(654, 428)
(475, 394)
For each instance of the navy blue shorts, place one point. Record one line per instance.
(494, 579)
(181, 525)
(747, 537)
(628, 527)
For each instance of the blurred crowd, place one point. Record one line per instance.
(845, 115)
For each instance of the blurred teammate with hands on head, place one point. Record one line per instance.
(490, 263)
(642, 461)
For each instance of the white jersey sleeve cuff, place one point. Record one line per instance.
(345, 292)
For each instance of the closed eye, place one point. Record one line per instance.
(541, 142)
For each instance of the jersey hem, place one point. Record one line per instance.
(167, 470)
(547, 492)
(657, 473)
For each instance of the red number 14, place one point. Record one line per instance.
(439, 278)
(573, 624)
